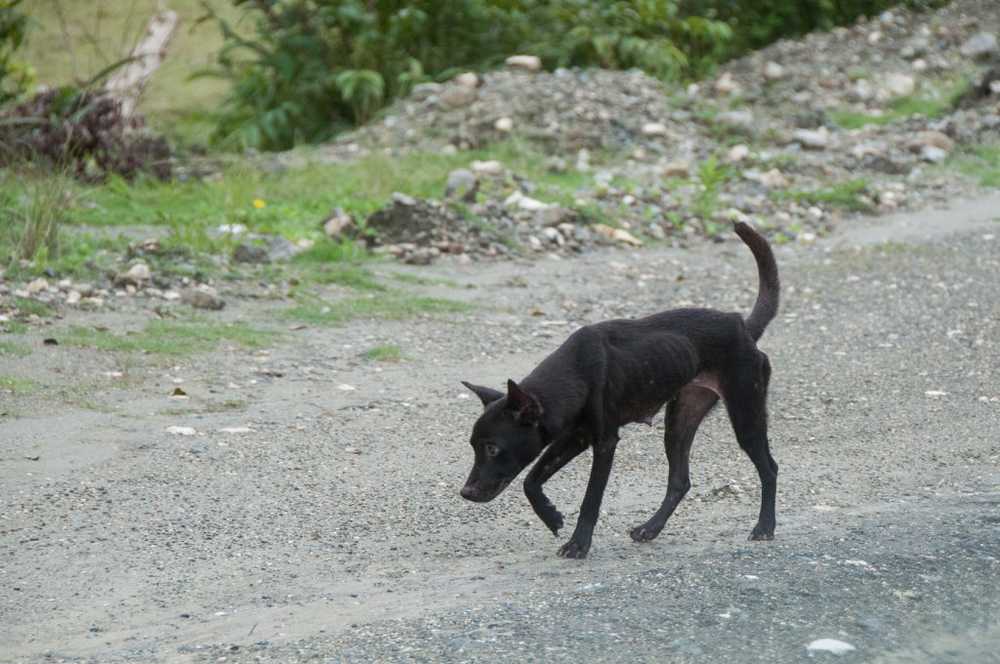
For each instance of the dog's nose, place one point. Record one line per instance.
(469, 492)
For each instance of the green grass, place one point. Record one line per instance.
(388, 306)
(847, 195)
(934, 102)
(981, 163)
(387, 353)
(31, 307)
(14, 349)
(16, 385)
(167, 338)
(424, 281)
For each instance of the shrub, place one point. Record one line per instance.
(14, 75)
(316, 66)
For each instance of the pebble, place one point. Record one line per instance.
(525, 62)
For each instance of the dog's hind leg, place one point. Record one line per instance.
(684, 414)
(746, 401)
(555, 456)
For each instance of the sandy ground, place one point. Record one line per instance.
(332, 529)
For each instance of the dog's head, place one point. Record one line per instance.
(505, 439)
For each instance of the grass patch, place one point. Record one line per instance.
(14, 349)
(424, 281)
(849, 195)
(31, 307)
(17, 386)
(935, 102)
(168, 338)
(981, 163)
(392, 305)
(387, 353)
(712, 176)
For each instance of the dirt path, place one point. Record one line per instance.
(328, 525)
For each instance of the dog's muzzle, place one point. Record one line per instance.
(478, 494)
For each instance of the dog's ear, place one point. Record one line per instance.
(485, 394)
(524, 405)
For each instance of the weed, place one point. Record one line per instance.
(392, 305)
(17, 385)
(981, 163)
(14, 349)
(932, 103)
(711, 175)
(168, 338)
(387, 353)
(850, 195)
(31, 307)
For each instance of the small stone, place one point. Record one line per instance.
(422, 91)
(830, 645)
(553, 236)
(737, 153)
(616, 234)
(491, 167)
(250, 253)
(525, 62)
(461, 182)
(726, 84)
(457, 96)
(979, 46)
(73, 298)
(522, 202)
(933, 154)
(676, 169)
(137, 275)
(181, 431)
(556, 165)
(920, 65)
(202, 298)
(399, 198)
(933, 138)
(37, 286)
(742, 119)
(337, 224)
(504, 125)
(555, 215)
(654, 129)
(817, 139)
(772, 179)
(773, 71)
(468, 79)
(899, 85)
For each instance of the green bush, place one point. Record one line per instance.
(314, 67)
(14, 75)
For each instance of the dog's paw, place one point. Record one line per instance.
(761, 534)
(573, 549)
(553, 518)
(643, 533)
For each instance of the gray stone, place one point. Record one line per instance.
(250, 253)
(457, 96)
(817, 139)
(981, 45)
(461, 182)
(202, 298)
(742, 119)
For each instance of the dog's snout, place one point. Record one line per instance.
(469, 492)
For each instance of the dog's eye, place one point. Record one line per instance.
(491, 450)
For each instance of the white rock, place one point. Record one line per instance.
(933, 154)
(73, 298)
(773, 179)
(813, 139)
(519, 200)
(773, 71)
(737, 153)
(980, 45)
(344, 387)
(457, 96)
(468, 79)
(919, 65)
(834, 646)
(139, 273)
(236, 430)
(491, 167)
(726, 84)
(899, 85)
(526, 62)
(37, 286)
(654, 129)
(181, 431)
(504, 124)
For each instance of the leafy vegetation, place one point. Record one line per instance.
(393, 305)
(850, 195)
(981, 163)
(932, 102)
(168, 338)
(388, 353)
(14, 74)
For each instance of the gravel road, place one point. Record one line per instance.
(328, 526)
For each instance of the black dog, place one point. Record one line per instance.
(620, 371)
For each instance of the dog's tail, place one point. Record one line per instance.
(768, 289)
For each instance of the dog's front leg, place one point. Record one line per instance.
(579, 544)
(556, 455)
